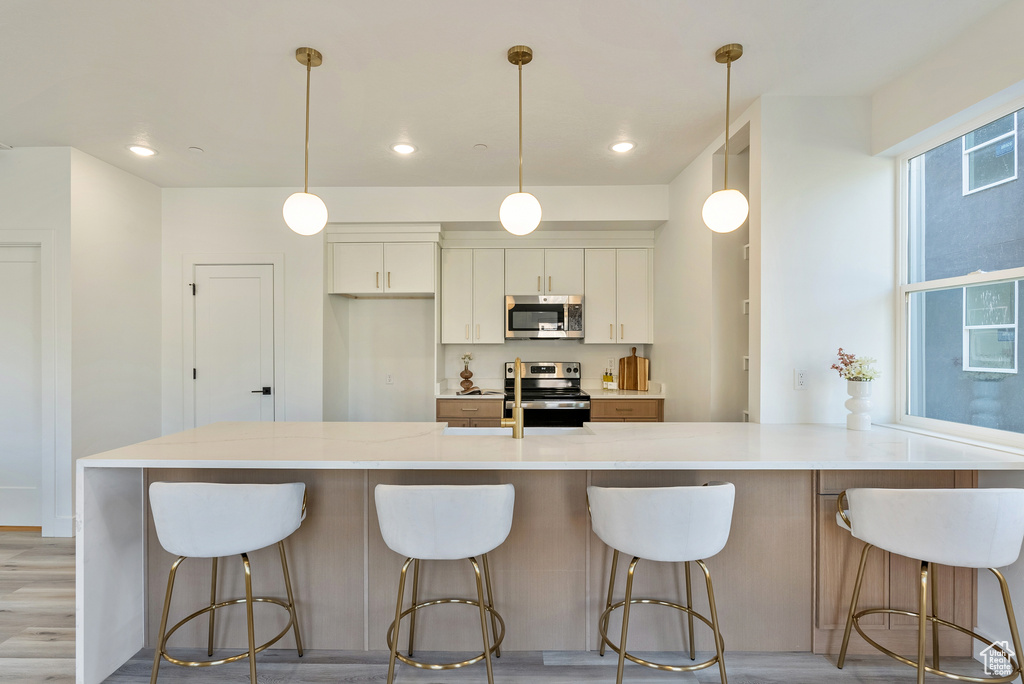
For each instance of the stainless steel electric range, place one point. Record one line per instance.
(551, 394)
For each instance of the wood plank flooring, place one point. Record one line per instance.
(37, 643)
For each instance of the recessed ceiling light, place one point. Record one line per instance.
(624, 146)
(142, 151)
(403, 148)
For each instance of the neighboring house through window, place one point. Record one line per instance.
(990, 154)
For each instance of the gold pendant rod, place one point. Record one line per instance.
(520, 126)
(309, 68)
(728, 89)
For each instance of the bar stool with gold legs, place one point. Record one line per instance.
(668, 524)
(424, 522)
(969, 528)
(205, 520)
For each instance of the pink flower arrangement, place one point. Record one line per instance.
(852, 368)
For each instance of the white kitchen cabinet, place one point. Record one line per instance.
(472, 296)
(616, 303)
(382, 268)
(543, 271)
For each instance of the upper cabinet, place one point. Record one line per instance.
(617, 298)
(544, 271)
(359, 268)
(472, 296)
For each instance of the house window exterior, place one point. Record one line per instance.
(963, 247)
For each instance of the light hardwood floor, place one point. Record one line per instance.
(37, 605)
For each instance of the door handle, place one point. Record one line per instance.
(622, 332)
(467, 331)
(389, 280)
(478, 331)
(611, 331)
(549, 285)
(538, 283)
(377, 285)
(265, 390)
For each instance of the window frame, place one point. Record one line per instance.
(904, 289)
(966, 156)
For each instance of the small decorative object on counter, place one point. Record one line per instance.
(607, 379)
(858, 373)
(466, 374)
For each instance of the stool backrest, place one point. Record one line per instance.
(207, 520)
(663, 523)
(973, 528)
(444, 522)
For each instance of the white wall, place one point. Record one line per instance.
(977, 71)
(827, 256)
(115, 268)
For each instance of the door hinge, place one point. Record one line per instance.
(193, 286)
(193, 373)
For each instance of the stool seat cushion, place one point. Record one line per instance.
(972, 528)
(444, 522)
(672, 524)
(208, 520)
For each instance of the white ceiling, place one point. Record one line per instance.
(221, 75)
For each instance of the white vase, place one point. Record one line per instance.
(859, 405)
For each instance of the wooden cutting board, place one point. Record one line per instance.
(634, 371)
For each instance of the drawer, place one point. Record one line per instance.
(469, 408)
(626, 409)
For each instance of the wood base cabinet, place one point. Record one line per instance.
(890, 581)
(627, 410)
(470, 412)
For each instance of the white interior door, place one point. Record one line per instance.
(21, 388)
(234, 343)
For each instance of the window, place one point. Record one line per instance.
(990, 154)
(964, 260)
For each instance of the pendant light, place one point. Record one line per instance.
(304, 212)
(726, 210)
(520, 212)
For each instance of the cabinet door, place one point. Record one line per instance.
(631, 297)
(358, 267)
(408, 267)
(563, 271)
(599, 297)
(488, 296)
(524, 271)
(456, 295)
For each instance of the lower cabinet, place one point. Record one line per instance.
(470, 412)
(627, 410)
(890, 581)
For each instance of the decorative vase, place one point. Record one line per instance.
(859, 405)
(466, 383)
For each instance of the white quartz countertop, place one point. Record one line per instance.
(609, 446)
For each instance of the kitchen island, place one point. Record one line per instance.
(548, 575)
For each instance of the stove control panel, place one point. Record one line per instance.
(545, 369)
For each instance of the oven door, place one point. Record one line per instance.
(552, 413)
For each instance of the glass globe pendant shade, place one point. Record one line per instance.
(725, 211)
(520, 213)
(305, 213)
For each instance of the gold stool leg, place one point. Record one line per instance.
(853, 604)
(719, 644)
(213, 602)
(415, 594)
(608, 604)
(935, 608)
(163, 621)
(490, 606)
(398, 618)
(625, 619)
(483, 620)
(1009, 614)
(689, 604)
(248, 618)
(922, 621)
(291, 598)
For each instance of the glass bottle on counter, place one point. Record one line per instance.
(607, 384)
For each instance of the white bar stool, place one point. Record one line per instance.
(969, 528)
(668, 524)
(205, 520)
(445, 522)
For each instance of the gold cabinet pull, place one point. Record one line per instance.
(389, 280)
(611, 331)
(377, 286)
(549, 285)
(622, 331)
(623, 409)
(538, 283)
(470, 409)
(478, 331)
(467, 331)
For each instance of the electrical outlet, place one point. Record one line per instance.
(389, 379)
(799, 379)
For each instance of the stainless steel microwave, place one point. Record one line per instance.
(544, 317)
